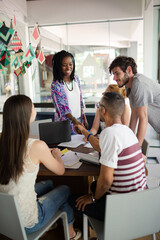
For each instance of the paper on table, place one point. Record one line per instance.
(76, 140)
(71, 160)
(88, 145)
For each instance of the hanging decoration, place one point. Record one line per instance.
(6, 34)
(16, 62)
(1, 23)
(14, 21)
(38, 48)
(2, 46)
(29, 54)
(16, 43)
(1, 67)
(11, 24)
(23, 70)
(36, 33)
(41, 57)
(5, 58)
(27, 64)
(19, 53)
(18, 71)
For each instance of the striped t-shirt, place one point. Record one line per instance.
(120, 150)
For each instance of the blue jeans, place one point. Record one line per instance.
(49, 201)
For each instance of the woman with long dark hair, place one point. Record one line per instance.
(66, 90)
(20, 157)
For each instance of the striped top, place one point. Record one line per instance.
(120, 150)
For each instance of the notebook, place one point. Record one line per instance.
(55, 132)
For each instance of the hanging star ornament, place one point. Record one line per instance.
(29, 54)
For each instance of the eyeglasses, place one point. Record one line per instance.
(98, 105)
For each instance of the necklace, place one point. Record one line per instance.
(68, 87)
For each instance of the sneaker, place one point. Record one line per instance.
(78, 234)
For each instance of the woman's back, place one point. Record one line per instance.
(24, 190)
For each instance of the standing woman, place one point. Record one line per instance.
(66, 90)
(20, 157)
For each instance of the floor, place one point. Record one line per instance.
(57, 234)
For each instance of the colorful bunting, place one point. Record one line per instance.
(35, 33)
(29, 53)
(5, 58)
(19, 53)
(16, 42)
(41, 57)
(1, 67)
(6, 34)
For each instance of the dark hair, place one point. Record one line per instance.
(114, 103)
(123, 62)
(15, 132)
(57, 65)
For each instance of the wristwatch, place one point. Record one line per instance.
(93, 198)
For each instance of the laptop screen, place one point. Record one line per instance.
(55, 132)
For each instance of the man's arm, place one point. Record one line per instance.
(104, 182)
(143, 121)
(134, 118)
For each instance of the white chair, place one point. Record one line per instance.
(11, 224)
(34, 127)
(128, 216)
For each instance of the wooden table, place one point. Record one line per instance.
(78, 179)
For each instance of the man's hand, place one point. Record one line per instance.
(79, 128)
(83, 201)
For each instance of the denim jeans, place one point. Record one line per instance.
(49, 200)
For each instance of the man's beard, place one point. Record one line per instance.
(125, 80)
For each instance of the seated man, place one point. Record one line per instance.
(122, 165)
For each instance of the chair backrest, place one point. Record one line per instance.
(10, 223)
(132, 215)
(34, 126)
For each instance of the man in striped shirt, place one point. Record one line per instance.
(122, 165)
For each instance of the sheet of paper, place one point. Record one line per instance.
(76, 140)
(71, 160)
(88, 145)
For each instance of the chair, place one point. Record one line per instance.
(127, 216)
(34, 126)
(11, 224)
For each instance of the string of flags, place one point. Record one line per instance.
(20, 60)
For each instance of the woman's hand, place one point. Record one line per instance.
(56, 153)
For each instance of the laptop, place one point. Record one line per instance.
(89, 158)
(53, 133)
